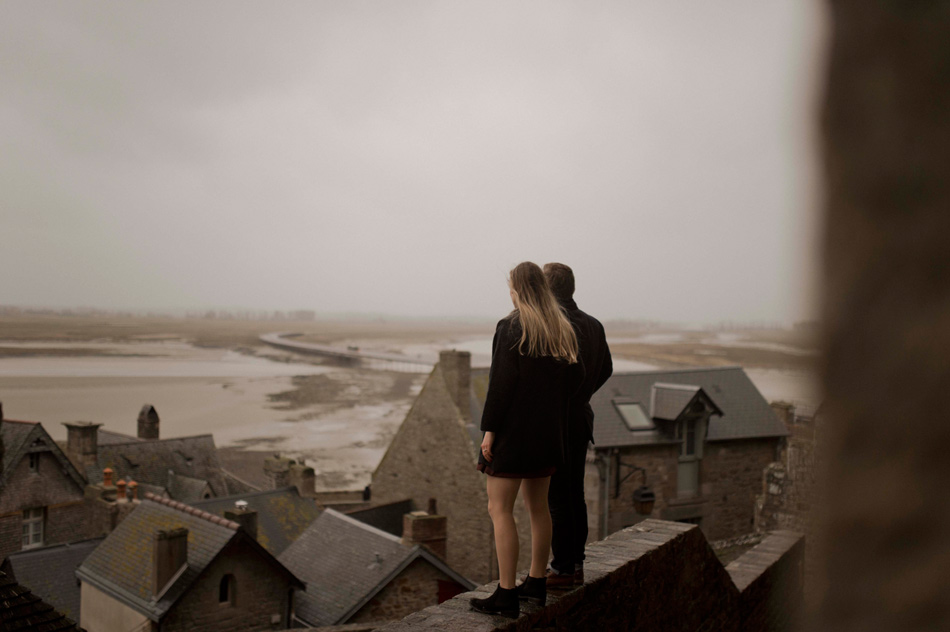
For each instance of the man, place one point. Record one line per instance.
(566, 495)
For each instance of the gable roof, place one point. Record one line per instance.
(282, 514)
(345, 563)
(121, 566)
(745, 413)
(50, 573)
(22, 437)
(150, 461)
(25, 612)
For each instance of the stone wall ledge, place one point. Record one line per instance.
(656, 575)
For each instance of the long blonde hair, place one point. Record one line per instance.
(545, 330)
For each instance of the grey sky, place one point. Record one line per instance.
(400, 157)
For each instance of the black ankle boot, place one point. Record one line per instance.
(503, 601)
(534, 589)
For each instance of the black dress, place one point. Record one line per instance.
(526, 407)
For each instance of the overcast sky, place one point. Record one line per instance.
(400, 157)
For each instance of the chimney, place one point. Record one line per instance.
(82, 444)
(169, 555)
(120, 489)
(419, 527)
(244, 516)
(785, 412)
(148, 422)
(277, 471)
(304, 479)
(456, 367)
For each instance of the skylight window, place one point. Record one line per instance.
(633, 415)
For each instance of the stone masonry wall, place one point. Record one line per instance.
(50, 488)
(415, 588)
(432, 456)
(730, 479)
(260, 593)
(655, 575)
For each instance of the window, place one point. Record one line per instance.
(34, 461)
(633, 415)
(687, 475)
(226, 590)
(33, 527)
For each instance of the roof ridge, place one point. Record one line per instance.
(194, 511)
(137, 441)
(697, 369)
(240, 496)
(366, 527)
(19, 421)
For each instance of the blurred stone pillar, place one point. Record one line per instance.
(886, 371)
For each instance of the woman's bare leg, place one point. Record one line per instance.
(501, 502)
(535, 493)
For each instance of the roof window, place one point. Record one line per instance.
(633, 414)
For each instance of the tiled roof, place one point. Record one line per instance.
(108, 437)
(344, 563)
(387, 517)
(746, 414)
(282, 514)
(149, 461)
(23, 611)
(50, 573)
(187, 489)
(122, 565)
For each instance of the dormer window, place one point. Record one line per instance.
(633, 414)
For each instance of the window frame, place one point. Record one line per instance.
(34, 521)
(227, 587)
(619, 402)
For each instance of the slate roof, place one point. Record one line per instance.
(387, 517)
(19, 437)
(108, 437)
(50, 573)
(667, 401)
(149, 461)
(23, 611)
(746, 413)
(282, 514)
(345, 563)
(122, 565)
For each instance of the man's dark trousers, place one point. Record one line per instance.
(568, 508)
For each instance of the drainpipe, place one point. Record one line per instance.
(603, 469)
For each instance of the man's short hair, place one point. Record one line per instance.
(561, 279)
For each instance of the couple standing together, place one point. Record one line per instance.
(548, 358)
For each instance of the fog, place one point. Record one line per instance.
(400, 158)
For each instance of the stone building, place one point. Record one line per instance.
(356, 573)
(698, 438)
(41, 492)
(182, 468)
(433, 456)
(169, 566)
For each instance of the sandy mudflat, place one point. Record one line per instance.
(215, 377)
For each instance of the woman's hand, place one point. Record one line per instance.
(487, 440)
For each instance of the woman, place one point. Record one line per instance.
(534, 371)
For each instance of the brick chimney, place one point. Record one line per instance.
(456, 367)
(785, 412)
(304, 479)
(419, 527)
(82, 444)
(244, 516)
(148, 422)
(169, 554)
(277, 471)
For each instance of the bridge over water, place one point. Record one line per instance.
(348, 355)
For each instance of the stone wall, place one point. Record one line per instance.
(415, 588)
(68, 518)
(730, 479)
(653, 576)
(260, 596)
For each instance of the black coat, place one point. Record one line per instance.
(598, 366)
(526, 406)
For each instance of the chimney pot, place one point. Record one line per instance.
(133, 490)
(432, 507)
(120, 489)
(107, 477)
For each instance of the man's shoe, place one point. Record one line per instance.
(534, 590)
(560, 580)
(503, 601)
(579, 577)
